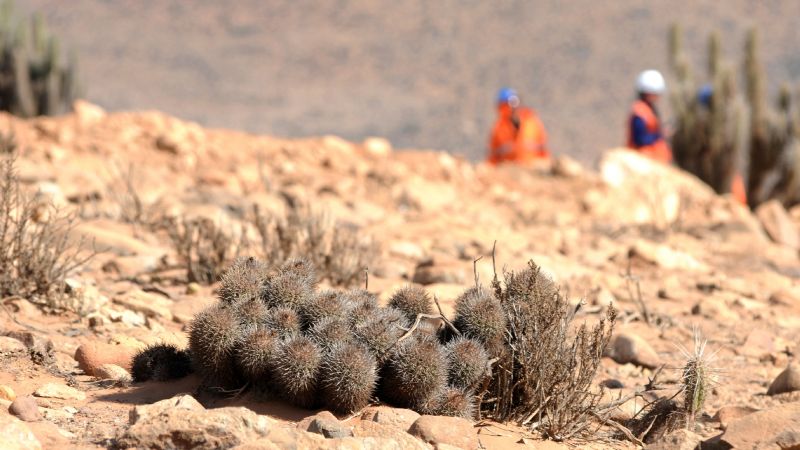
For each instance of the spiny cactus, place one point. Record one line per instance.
(348, 377)
(283, 321)
(296, 371)
(325, 304)
(242, 281)
(696, 379)
(414, 373)
(214, 337)
(720, 134)
(35, 79)
(467, 363)
(252, 313)
(412, 300)
(301, 268)
(381, 331)
(329, 332)
(480, 316)
(160, 362)
(451, 401)
(287, 288)
(256, 355)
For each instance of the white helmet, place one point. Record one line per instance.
(651, 82)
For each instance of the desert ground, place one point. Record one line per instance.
(677, 261)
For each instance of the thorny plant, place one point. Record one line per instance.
(203, 247)
(37, 251)
(544, 373)
(338, 251)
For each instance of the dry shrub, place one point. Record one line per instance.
(544, 373)
(202, 246)
(338, 251)
(36, 251)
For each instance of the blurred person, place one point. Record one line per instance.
(645, 131)
(518, 135)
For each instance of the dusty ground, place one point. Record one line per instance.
(424, 75)
(704, 265)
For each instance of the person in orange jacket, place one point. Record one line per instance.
(645, 133)
(518, 135)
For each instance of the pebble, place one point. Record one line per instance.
(630, 348)
(786, 381)
(113, 372)
(61, 391)
(6, 393)
(11, 345)
(25, 408)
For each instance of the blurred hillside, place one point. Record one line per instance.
(421, 73)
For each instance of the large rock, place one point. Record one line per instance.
(786, 381)
(728, 414)
(15, 435)
(778, 224)
(630, 348)
(90, 356)
(445, 430)
(386, 415)
(763, 429)
(677, 440)
(182, 423)
(652, 192)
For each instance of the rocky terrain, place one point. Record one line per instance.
(676, 260)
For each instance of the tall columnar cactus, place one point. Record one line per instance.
(35, 79)
(730, 134)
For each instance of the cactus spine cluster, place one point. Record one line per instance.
(35, 79)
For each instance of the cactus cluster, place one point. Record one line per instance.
(35, 78)
(275, 331)
(509, 352)
(721, 133)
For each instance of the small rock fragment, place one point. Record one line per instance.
(6, 393)
(61, 391)
(630, 348)
(113, 372)
(25, 408)
(16, 435)
(11, 345)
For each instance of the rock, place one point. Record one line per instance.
(329, 428)
(666, 257)
(677, 440)
(652, 192)
(25, 408)
(630, 348)
(86, 113)
(193, 289)
(182, 423)
(396, 417)
(445, 430)
(449, 273)
(11, 345)
(16, 435)
(40, 348)
(759, 343)
(306, 422)
(6, 393)
(367, 428)
(60, 391)
(180, 402)
(113, 372)
(377, 146)
(778, 224)
(786, 381)
(564, 166)
(407, 249)
(91, 356)
(151, 305)
(726, 414)
(764, 428)
(425, 195)
(785, 297)
(292, 438)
